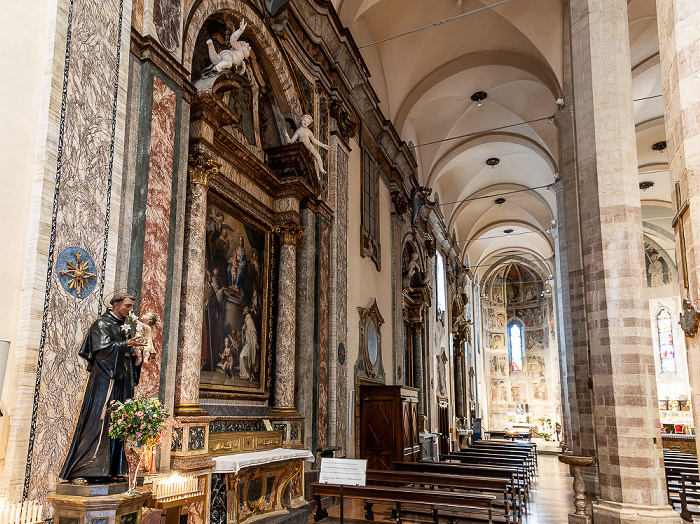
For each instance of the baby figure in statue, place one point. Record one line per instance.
(306, 137)
(144, 334)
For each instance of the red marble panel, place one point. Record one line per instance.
(323, 295)
(155, 249)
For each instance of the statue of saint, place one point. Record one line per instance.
(93, 455)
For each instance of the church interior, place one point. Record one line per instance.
(455, 240)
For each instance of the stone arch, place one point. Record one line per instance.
(274, 59)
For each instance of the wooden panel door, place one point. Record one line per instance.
(378, 433)
(443, 428)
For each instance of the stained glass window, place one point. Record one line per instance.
(665, 327)
(515, 344)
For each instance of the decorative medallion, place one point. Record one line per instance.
(341, 354)
(166, 17)
(690, 319)
(76, 272)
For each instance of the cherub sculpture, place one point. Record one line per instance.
(306, 137)
(233, 58)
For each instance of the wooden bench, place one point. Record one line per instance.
(519, 491)
(495, 486)
(435, 500)
(495, 444)
(524, 455)
(478, 460)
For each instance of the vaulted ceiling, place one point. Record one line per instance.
(515, 54)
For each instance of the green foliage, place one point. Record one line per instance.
(140, 419)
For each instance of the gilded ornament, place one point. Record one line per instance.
(79, 275)
(201, 168)
(289, 233)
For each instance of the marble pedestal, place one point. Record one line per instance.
(85, 504)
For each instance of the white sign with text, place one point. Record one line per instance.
(347, 472)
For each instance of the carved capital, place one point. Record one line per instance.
(289, 233)
(201, 168)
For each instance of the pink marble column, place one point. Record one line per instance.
(201, 169)
(286, 318)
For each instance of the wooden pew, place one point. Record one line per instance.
(494, 444)
(477, 460)
(518, 490)
(495, 486)
(435, 500)
(524, 455)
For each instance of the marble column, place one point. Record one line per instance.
(417, 333)
(679, 47)
(458, 344)
(625, 407)
(286, 318)
(200, 170)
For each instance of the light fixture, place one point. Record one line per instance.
(659, 146)
(493, 162)
(479, 97)
(500, 201)
(508, 231)
(646, 185)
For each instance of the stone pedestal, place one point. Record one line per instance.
(200, 170)
(579, 516)
(92, 504)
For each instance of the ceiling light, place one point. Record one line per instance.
(479, 97)
(500, 201)
(659, 146)
(646, 185)
(493, 162)
(508, 231)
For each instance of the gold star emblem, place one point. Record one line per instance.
(79, 273)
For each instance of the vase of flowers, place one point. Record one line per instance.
(140, 423)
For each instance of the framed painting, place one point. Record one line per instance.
(235, 332)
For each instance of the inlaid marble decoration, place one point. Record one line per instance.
(155, 249)
(196, 438)
(76, 272)
(176, 443)
(217, 509)
(233, 427)
(86, 156)
(294, 432)
(323, 134)
(284, 363)
(166, 18)
(341, 299)
(323, 292)
(197, 510)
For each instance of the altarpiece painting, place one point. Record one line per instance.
(235, 333)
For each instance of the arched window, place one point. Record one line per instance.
(666, 352)
(515, 345)
(441, 287)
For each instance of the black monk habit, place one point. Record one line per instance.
(92, 454)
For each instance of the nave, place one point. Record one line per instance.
(551, 500)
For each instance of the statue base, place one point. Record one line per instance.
(71, 507)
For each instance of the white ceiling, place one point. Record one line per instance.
(514, 53)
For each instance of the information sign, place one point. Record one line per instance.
(346, 472)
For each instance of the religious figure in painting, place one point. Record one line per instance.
(238, 269)
(93, 455)
(249, 353)
(228, 59)
(306, 137)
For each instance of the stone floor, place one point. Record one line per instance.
(552, 499)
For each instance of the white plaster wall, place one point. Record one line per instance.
(365, 282)
(24, 43)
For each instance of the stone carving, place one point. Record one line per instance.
(229, 59)
(304, 135)
(690, 319)
(343, 120)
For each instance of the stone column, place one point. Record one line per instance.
(417, 333)
(200, 170)
(679, 40)
(458, 345)
(286, 318)
(625, 407)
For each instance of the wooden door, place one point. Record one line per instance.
(378, 433)
(410, 451)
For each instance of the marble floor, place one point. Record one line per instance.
(552, 499)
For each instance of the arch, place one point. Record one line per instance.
(202, 10)
(483, 138)
(537, 68)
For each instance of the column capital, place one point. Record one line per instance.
(289, 233)
(201, 168)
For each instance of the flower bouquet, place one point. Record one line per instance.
(130, 325)
(140, 422)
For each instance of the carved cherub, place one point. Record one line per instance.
(306, 137)
(229, 58)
